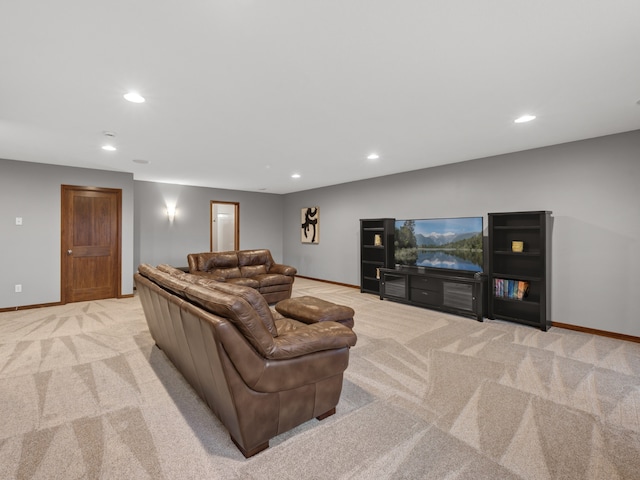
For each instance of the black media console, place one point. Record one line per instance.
(459, 292)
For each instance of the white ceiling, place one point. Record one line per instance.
(243, 93)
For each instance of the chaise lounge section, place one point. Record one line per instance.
(250, 268)
(260, 372)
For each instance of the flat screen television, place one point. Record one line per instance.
(450, 243)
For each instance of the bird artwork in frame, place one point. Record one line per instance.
(310, 225)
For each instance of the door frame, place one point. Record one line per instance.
(236, 226)
(64, 208)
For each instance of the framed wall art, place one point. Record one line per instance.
(310, 225)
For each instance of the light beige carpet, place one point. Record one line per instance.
(85, 394)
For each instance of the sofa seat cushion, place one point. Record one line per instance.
(253, 270)
(289, 328)
(285, 325)
(275, 289)
(270, 279)
(315, 337)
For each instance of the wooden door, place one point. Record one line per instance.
(90, 243)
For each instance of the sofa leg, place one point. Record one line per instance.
(326, 414)
(253, 451)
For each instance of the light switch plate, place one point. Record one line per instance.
(18, 220)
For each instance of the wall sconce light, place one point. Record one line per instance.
(171, 212)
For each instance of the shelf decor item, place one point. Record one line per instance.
(520, 280)
(377, 240)
(511, 289)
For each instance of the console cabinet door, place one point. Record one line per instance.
(459, 295)
(394, 286)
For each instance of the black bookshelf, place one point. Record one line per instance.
(520, 267)
(376, 251)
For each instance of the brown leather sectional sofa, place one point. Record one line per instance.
(251, 268)
(261, 373)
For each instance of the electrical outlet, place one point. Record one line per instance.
(18, 220)
(18, 288)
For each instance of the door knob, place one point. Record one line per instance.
(69, 252)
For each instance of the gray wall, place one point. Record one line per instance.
(159, 241)
(30, 254)
(591, 186)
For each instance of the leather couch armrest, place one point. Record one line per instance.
(282, 269)
(192, 259)
(311, 338)
(274, 375)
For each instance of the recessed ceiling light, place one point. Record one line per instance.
(373, 156)
(295, 175)
(109, 148)
(140, 161)
(525, 118)
(134, 97)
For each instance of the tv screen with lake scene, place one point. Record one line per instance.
(453, 243)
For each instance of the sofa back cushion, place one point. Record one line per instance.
(176, 272)
(206, 261)
(163, 279)
(237, 310)
(247, 258)
(251, 295)
(221, 260)
(223, 264)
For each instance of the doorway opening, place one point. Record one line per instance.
(225, 226)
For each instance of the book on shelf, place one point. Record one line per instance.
(511, 289)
